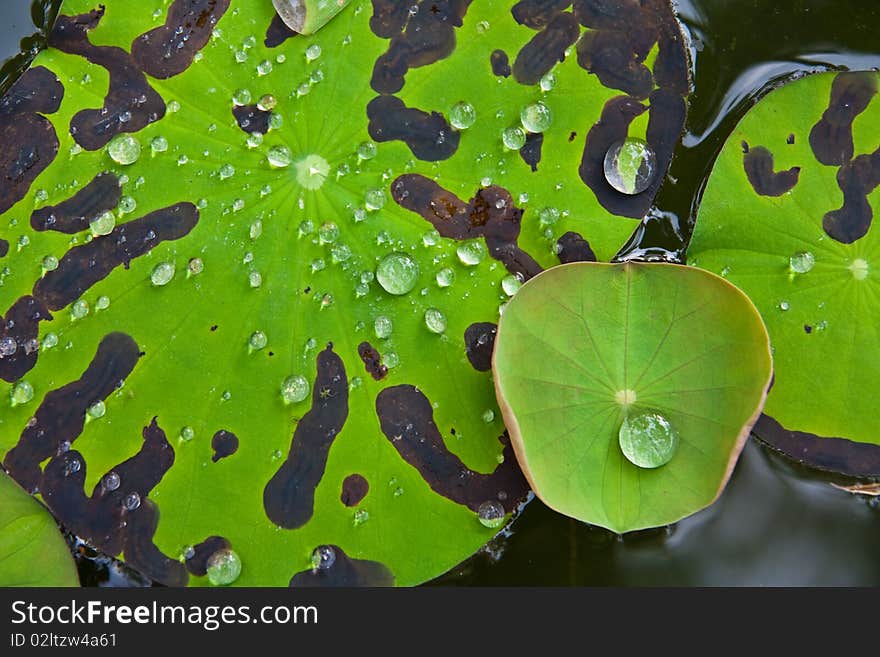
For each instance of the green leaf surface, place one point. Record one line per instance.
(223, 354)
(586, 348)
(32, 550)
(790, 223)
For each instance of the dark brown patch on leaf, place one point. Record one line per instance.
(169, 49)
(117, 517)
(834, 454)
(758, 163)
(500, 63)
(131, 103)
(277, 33)
(831, 138)
(429, 36)
(84, 265)
(531, 151)
(490, 214)
(354, 489)
(545, 49)
(21, 324)
(345, 571)
(289, 497)
(856, 179)
(572, 247)
(224, 443)
(537, 13)
(28, 142)
(74, 214)
(197, 564)
(4, 247)
(790, 139)
(251, 118)
(372, 361)
(60, 418)
(479, 341)
(428, 135)
(610, 56)
(407, 420)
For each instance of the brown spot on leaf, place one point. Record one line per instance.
(143, 555)
(130, 105)
(531, 150)
(251, 118)
(74, 214)
(831, 138)
(4, 247)
(833, 454)
(490, 214)
(28, 142)
(428, 135)
(345, 572)
(856, 179)
(372, 361)
(545, 49)
(289, 497)
(536, 14)
(197, 564)
(224, 443)
(407, 420)
(278, 32)
(479, 342)
(21, 324)
(758, 163)
(572, 247)
(84, 265)
(168, 50)
(354, 489)
(60, 418)
(500, 64)
(609, 55)
(389, 17)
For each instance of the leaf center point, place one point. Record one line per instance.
(311, 171)
(625, 398)
(859, 269)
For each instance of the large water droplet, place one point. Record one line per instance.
(313, 52)
(383, 326)
(79, 309)
(802, 262)
(187, 434)
(511, 284)
(630, 166)
(103, 224)
(374, 199)
(548, 81)
(472, 252)
(110, 481)
(295, 389)
(491, 514)
(462, 116)
(435, 320)
(258, 340)
(22, 392)
(536, 117)
(445, 277)
(367, 150)
(124, 149)
(96, 410)
(224, 567)
(647, 439)
(513, 138)
(397, 273)
(279, 156)
(131, 501)
(162, 274)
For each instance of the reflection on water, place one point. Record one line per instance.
(775, 525)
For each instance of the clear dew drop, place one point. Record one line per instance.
(110, 481)
(328, 233)
(323, 557)
(295, 389)
(241, 97)
(131, 502)
(462, 116)
(264, 67)
(488, 415)
(374, 199)
(224, 567)
(102, 302)
(491, 514)
(103, 224)
(279, 156)
(445, 277)
(162, 274)
(513, 138)
(195, 266)
(49, 340)
(472, 252)
(267, 102)
(254, 139)
(802, 262)
(391, 359)
(124, 149)
(630, 166)
(255, 279)
(511, 284)
(79, 309)
(536, 117)
(258, 340)
(127, 204)
(383, 327)
(226, 171)
(397, 273)
(435, 320)
(431, 238)
(8, 346)
(367, 150)
(313, 52)
(96, 410)
(784, 305)
(21, 393)
(159, 144)
(548, 81)
(49, 263)
(187, 434)
(647, 439)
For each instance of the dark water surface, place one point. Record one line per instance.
(776, 523)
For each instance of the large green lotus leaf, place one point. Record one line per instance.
(154, 425)
(787, 216)
(32, 550)
(585, 347)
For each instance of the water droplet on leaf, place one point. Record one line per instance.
(630, 166)
(647, 439)
(397, 273)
